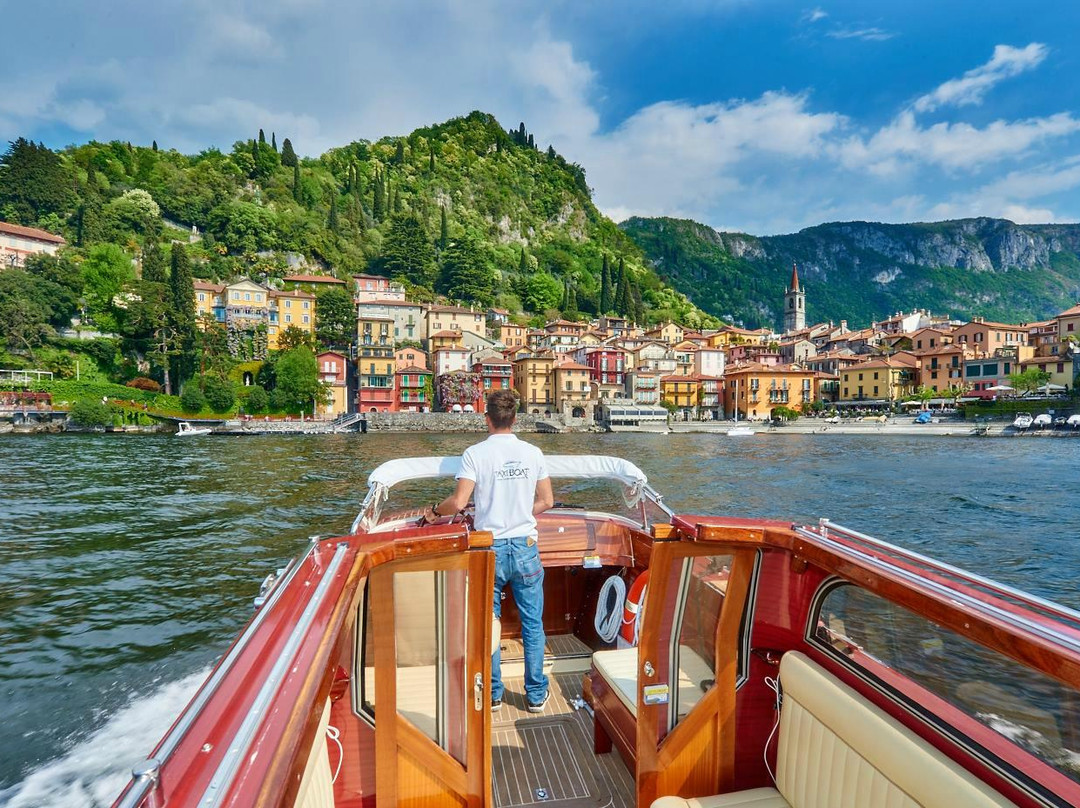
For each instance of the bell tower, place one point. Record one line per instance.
(794, 304)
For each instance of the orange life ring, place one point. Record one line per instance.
(632, 609)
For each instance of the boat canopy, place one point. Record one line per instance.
(593, 467)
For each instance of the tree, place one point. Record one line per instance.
(288, 156)
(295, 181)
(1030, 380)
(219, 391)
(90, 412)
(153, 264)
(134, 212)
(540, 292)
(378, 195)
(431, 160)
(273, 141)
(571, 307)
(88, 224)
(257, 399)
(192, 399)
(298, 383)
(606, 300)
(408, 251)
(106, 270)
(262, 138)
(34, 182)
(182, 314)
(24, 315)
(444, 237)
(332, 223)
(335, 318)
(154, 145)
(266, 161)
(399, 153)
(293, 337)
(523, 262)
(924, 394)
(624, 300)
(466, 272)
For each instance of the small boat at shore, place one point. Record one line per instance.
(1023, 420)
(740, 431)
(765, 662)
(186, 429)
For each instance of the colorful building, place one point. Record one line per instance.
(333, 372)
(986, 337)
(533, 382)
(409, 322)
(643, 386)
(942, 367)
(572, 388)
(376, 288)
(294, 308)
(411, 357)
(884, 380)
(413, 389)
(512, 336)
(454, 318)
(607, 369)
(757, 389)
(375, 364)
(495, 373)
(682, 391)
(17, 243)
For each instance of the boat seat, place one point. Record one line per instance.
(836, 748)
(619, 669)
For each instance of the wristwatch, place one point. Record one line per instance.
(435, 509)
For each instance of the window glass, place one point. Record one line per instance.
(1034, 712)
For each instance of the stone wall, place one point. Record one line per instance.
(440, 422)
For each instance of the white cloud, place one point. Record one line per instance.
(814, 14)
(865, 34)
(1006, 62)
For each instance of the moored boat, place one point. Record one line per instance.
(363, 677)
(186, 429)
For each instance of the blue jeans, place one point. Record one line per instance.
(518, 563)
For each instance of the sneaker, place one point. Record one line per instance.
(496, 705)
(538, 707)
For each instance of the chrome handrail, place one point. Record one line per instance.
(145, 774)
(949, 593)
(237, 752)
(994, 586)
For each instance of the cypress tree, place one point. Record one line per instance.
(551, 152)
(333, 221)
(255, 154)
(182, 310)
(288, 156)
(565, 296)
(623, 300)
(399, 154)
(521, 134)
(389, 198)
(153, 264)
(88, 223)
(444, 231)
(397, 201)
(532, 143)
(523, 263)
(296, 181)
(571, 300)
(154, 145)
(605, 287)
(273, 141)
(431, 160)
(377, 198)
(262, 136)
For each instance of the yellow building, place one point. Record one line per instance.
(756, 389)
(533, 382)
(1068, 324)
(888, 379)
(292, 308)
(444, 339)
(682, 391)
(669, 332)
(571, 382)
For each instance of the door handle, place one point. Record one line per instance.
(478, 692)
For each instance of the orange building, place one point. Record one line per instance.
(756, 389)
(533, 382)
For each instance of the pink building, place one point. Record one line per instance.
(17, 243)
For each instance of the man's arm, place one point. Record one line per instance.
(456, 501)
(544, 499)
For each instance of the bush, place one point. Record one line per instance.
(220, 393)
(192, 399)
(785, 413)
(143, 383)
(90, 412)
(257, 400)
(277, 401)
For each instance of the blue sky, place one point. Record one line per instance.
(759, 116)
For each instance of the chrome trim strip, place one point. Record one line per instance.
(219, 784)
(1018, 594)
(949, 594)
(141, 784)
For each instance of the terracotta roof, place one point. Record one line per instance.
(454, 310)
(372, 277)
(390, 303)
(331, 353)
(1071, 312)
(31, 232)
(571, 366)
(492, 360)
(412, 369)
(674, 377)
(313, 279)
(291, 293)
(203, 286)
(445, 333)
(989, 324)
(418, 350)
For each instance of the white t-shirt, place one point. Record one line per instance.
(505, 471)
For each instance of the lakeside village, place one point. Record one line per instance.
(431, 362)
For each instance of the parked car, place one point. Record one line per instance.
(1023, 420)
(1042, 420)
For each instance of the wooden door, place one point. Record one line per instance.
(432, 648)
(688, 661)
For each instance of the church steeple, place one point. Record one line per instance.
(794, 304)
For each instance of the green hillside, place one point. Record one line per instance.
(862, 271)
(466, 209)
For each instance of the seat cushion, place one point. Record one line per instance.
(752, 798)
(619, 669)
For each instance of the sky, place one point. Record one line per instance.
(749, 115)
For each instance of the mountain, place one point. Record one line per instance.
(464, 208)
(865, 271)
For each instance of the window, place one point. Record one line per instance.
(884, 642)
(202, 297)
(307, 318)
(288, 304)
(288, 318)
(247, 295)
(307, 304)
(235, 295)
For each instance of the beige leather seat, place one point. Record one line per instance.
(619, 669)
(838, 750)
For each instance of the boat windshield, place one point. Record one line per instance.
(585, 482)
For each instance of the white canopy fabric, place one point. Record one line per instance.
(392, 472)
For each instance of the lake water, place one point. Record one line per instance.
(128, 563)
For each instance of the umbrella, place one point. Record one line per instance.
(1046, 388)
(1000, 387)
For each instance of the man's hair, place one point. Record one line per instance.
(502, 408)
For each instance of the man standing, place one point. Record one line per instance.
(509, 482)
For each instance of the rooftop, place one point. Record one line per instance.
(31, 232)
(313, 279)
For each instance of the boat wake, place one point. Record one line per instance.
(94, 770)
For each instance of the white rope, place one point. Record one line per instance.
(609, 608)
(333, 733)
(774, 686)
